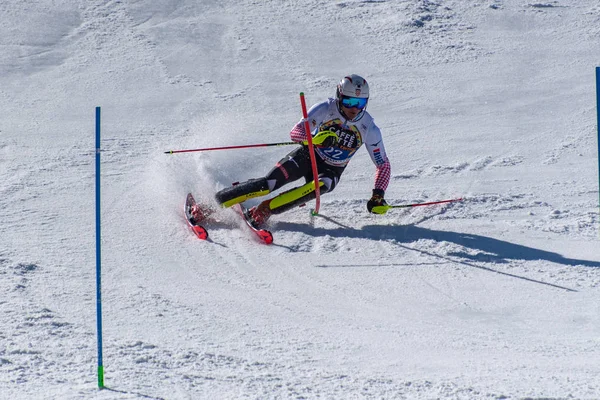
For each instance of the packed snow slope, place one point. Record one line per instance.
(495, 297)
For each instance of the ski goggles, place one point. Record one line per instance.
(352, 102)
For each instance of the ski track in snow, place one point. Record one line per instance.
(493, 297)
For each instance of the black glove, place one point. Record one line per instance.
(376, 200)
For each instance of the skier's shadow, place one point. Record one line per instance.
(490, 249)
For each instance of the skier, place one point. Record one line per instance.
(340, 126)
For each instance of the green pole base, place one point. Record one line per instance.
(100, 377)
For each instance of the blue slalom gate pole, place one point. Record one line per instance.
(98, 256)
(598, 126)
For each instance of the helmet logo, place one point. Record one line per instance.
(357, 91)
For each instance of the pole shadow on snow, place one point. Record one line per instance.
(490, 249)
(144, 396)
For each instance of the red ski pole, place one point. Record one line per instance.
(246, 146)
(384, 209)
(311, 151)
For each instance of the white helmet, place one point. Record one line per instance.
(352, 91)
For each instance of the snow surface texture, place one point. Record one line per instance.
(497, 297)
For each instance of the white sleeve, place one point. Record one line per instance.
(316, 115)
(375, 147)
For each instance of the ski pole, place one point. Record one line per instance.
(246, 146)
(385, 208)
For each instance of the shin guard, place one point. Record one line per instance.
(293, 198)
(242, 192)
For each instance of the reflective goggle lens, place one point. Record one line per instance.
(358, 102)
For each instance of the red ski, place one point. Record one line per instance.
(264, 235)
(194, 224)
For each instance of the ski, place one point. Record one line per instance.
(264, 235)
(198, 229)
